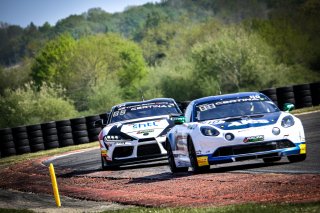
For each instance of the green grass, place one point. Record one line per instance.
(306, 109)
(244, 208)
(18, 158)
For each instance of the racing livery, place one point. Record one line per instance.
(136, 132)
(234, 127)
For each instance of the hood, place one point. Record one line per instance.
(146, 128)
(244, 122)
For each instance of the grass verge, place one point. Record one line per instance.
(18, 158)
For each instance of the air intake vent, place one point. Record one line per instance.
(146, 140)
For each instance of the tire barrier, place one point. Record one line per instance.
(285, 95)
(64, 133)
(183, 105)
(302, 95)
(93, 131)
(7, 147)
(21, 140)
(50, 135)
(54, 134)
(315, 93)
(104, 117)
(35, 136)
(79, 130)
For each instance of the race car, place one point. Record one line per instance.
(136, 132)
(234, 127)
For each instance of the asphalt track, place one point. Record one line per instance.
(88, 162)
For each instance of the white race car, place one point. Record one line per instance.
(234, 127)
(136, 132)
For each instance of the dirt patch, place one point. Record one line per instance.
(211, 189)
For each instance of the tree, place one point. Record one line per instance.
(51, 63)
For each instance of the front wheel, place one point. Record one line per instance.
(172, 164)
(193, 159)
(107, 166)
(297, 158)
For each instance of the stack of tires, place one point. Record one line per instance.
(35, 138)
(93, 132)
(64, 133)
(272, 94)
(104, 117)
(50, 135)
(285, 95)
(21, 141)
(315, 93)
(183, 105)
(79, 130)
(7, 146)
(302, 95)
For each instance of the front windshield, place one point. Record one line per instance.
(141, 110)
(233, 108)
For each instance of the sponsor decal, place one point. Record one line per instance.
(104, 153)
(192, 126)
(303, 148)
(203, 161)
(245, 122)
(120, 143)
(145, 132)
(144, 125)
(250, 139)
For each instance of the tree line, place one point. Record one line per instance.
(182, 49)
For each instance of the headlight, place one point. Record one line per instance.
(287, 121)
(209, 131)
(112, 138)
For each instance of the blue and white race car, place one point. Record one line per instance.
(234, 127)
(136, 132)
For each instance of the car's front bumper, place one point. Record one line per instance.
(252, 151)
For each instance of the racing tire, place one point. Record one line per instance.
(33, 128)
(23, 150)
(66, 142)
(107, 166)
(8, 152)
(76, 121)
(64, 129)
(51, 145)
(193, 159)
(81, 140)
(297, 158)
(63, 123)
(37, 147)
(49, 125)
(271, 160)
(51, 131)
(172, 164)
(35, 134)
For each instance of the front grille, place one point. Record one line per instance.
(121, 152)
(146, 140)
(148, 149)
(252, 148)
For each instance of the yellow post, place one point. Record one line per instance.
(54, 185)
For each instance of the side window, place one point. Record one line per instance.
(188, 112)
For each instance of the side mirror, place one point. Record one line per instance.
(287, 107)
(98, 123)
(178, 119)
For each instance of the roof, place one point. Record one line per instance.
(226, 96)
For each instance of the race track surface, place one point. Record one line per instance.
(79, 176)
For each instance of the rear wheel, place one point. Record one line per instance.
(297, 158)
(172, 164)
(271, 160)
(193, 159)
